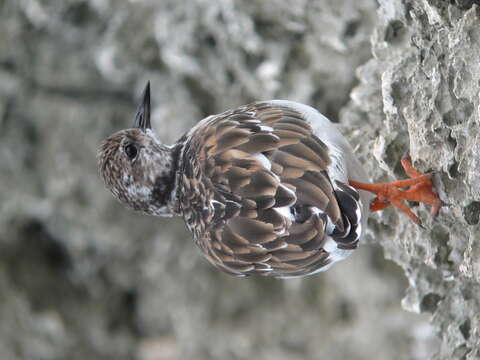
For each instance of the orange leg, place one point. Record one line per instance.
(419, 188)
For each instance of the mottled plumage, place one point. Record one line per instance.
(263, 188)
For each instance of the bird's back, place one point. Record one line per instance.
(341, 152)
(264, 189)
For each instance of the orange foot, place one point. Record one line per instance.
(419, 188)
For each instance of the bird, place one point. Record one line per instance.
(269, 188)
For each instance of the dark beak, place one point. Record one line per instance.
(142, 117)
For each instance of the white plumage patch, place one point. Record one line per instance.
(266, 128)
(263, 160)
(336, 254)
(285, 212)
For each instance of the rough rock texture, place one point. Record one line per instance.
(80, 277)
(421, 92)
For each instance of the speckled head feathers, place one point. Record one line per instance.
(136, 167)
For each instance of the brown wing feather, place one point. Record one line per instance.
(259, 158)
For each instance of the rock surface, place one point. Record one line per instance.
(80, 277)
(421, 92)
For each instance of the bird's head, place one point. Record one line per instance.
(138, 169)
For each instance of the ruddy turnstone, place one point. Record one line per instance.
(269, 188)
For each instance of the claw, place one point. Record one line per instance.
(419, 188)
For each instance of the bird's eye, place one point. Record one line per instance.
(131, 151)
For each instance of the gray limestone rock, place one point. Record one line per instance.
(81, 277)
(421, 93)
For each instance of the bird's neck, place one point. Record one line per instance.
(163, 197)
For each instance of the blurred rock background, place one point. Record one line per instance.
(80, 277)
